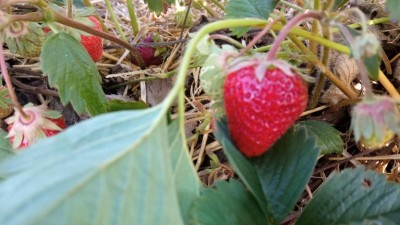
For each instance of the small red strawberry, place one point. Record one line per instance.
(93, 44)
(150, 55)
(40, 124)
(262, 100)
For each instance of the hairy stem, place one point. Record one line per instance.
(9, 86)
(87, 3)
(227, 39)
(363, 70)
(285, 31)
(259, 35)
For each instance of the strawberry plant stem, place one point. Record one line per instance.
(132, 15)
(88, 4)
(227, 39)
(332, 77)
(10, 88)
(321, 79)
(115, 20)
(207, 8)
(388, 85)
(285, 31)
(71, 23)
(218, 4)
(291, 5)
(259, 35)
(39, 16)
(363, 75)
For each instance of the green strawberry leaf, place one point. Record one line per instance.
(354, 197)
(229, 203)
(155, 5)
(186, 178)
(327, 137)
(118, 105)
(5, 146)
(241, 165)
(285, 169)
(276, 170)
(339, 3)
(373, 64)
(393, 6)
(70, 68)
(117, 168)
(249, 9)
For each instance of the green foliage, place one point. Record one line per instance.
(77, 3)
(229, 203)
(186, 178)
(241, 165)
(393, 6)
(362, 47)
(70, 68)
(249, 9)
(118, 105)
(212, 76)
(155, 5)
(339, 3)
(328, 138)
(373, 64)
(118, 168)
(5, 99)
(274, 178)
(5, 146)
(354, 197)
(279, 170)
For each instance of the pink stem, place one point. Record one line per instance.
(259, 36)
(9, 86)
(285, 31)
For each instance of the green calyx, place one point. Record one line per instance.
(28, 44)
(375, 121)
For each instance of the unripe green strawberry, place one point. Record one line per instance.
(28, 43)
(375, 121)
(262, 100)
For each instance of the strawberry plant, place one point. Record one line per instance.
(135, 167)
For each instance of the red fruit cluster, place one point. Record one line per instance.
(261, 111)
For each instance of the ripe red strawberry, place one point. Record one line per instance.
(93, 44)
(41, 123)
(262, 100)
(150, 55)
